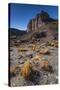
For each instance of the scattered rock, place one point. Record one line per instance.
(21, 62)
(35, 66)
(44, 51)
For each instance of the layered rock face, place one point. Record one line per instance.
(38, 21)
(44, 23)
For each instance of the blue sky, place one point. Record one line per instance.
(20, 14)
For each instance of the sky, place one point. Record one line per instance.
(20, 14)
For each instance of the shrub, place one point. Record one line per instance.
(14, 70)
(47, 67)
(53, 43)
(33, 47)
(45, 64)
(26, 69)
(29, 73)
(37, 57)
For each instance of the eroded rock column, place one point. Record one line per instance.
(39, 22)
(29, 26)
(36, 24)
(33, 24)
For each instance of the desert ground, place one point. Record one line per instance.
(34, 63)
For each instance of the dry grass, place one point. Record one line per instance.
(14, 70)
(22, 49)
(26, 69)
(33, 47)
(37, 57)
(45, 64)
(47, 67)
(29, 73)
(53, 43)
(56, 44)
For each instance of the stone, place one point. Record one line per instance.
(44, 51)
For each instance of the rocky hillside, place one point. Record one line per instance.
(42, 26)
(51, 27)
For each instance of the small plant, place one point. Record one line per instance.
(48, 43)
(37, 57)
(53, 43)
(47, 67)
(33, 47)
(26, 69)
(45, 64)
(56, 44)
(14, 70)
(22, 49)
(29, 73)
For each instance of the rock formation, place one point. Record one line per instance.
(38, 21)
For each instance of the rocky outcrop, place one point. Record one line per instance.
(39, 21)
